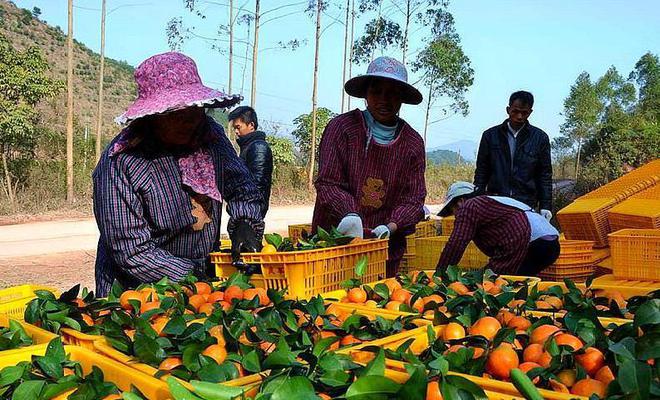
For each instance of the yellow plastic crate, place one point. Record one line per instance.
(586, 220)
(76, 338)
(295, 231)
(13, 300)
(38, 335)
(641, 211)
(447, 225)
(429, 251)
(408, 263)
(113, 371)
(633, 182)
(636, 254)
(307, 273)
(422, 229)
(627, 288)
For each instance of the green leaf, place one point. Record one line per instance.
(453, 385)
(50, 366)
(55, 350)
(214, 391)
(52, 390)
(375, 366)
(372, 387)
(297, 387)
(648, 346)
(147, 349)
(415, 387)
(382, 291)
(175, 326)
(361, 266)
(648, 313)
(251, 362)
(635, 378)
(11, 374)
(28, 390)
(178, 391)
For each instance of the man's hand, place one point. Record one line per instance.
(243, 239)
(351, 225)
(547, 214)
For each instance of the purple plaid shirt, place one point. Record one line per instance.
(144, 212)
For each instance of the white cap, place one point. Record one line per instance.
(456, 190)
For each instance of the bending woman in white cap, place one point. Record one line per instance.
(518, 240)
(371, 162)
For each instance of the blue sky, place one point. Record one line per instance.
(540, 46)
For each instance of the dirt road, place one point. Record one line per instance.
(61, 253)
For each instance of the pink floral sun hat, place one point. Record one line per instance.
(169, 82)
(384, 68)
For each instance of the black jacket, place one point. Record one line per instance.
(256, 153)
(528, 178)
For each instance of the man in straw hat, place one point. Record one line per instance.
(159, 185)
(517, 239)
(371, 162)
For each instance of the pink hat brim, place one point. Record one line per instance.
(195, 95)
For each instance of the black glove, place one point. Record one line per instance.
(243, 239)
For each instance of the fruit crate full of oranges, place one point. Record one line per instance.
(430, 249)
(309, 272)
(636, 254)
(14, 299)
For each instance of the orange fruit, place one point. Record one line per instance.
(216, 352)
(528, 366)
(196, 301)
(491, 288)
(129, 295)
(233, 292)
(555, 302)
(159, 324)
(541, 333)
(453, 330)
(393, 305)
(433, 391)
(605, 375)
(567, 377)
(216, 297)
(478, 352)
(130, 333)
(68, 371)
(586, 387)
(225, 306)
(459, 288)
(392, 285)
(418, 305)
(401, 295)
(501, 361)
(545, 359)
(505, 316)
(349, 340)
(151, 305)
(371, 304)
(87, 319)
(486, 327)
(80, 303)
(261, 292)
(501, 282)
(435, 298)
(149, 294)
(515, 303)
(566, 339)
(558, 386)
(592, 360)
(324, 396)
(533, 352)
(203, 288)
(170, 363)
(206, 308)
(216, 332)
(543, 305)
(357, 295)
(454, 348)
(519, 323)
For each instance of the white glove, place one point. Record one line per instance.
(547, 214)
(381, 232)
(351, 225)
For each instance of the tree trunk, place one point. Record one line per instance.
(380, 9)
(343, 76)
(405, 33)
(255, 52)
(99, 117)
(312, 148)
(69, 108)
(428, 109)
(350, 57)
(577, 160)
(10, 190)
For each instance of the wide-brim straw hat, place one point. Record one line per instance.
(169, 82)
(385, 68)
(455, 191)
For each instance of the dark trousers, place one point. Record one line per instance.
(540, 255)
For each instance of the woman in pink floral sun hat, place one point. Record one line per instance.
(160, 184)
(371, 163)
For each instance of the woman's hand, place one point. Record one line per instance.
(351, 225)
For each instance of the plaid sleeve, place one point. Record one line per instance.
(411, 205)
(465, 227)
(124, 230)
(239, 189)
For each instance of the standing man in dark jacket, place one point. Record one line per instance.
(255, 151)
(514, 158)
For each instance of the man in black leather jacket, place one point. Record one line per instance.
(255, 151)
(514, 158)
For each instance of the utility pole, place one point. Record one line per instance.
(99, 117)
(343, 76)
(428, 110)
(350, 57)
(312, 156)
(231, 43)
(405, 33)
(69, 106)
(255, 52)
